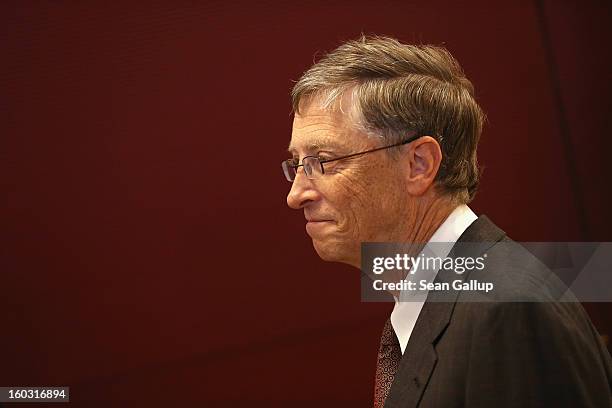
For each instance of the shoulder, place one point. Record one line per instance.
(516, 275)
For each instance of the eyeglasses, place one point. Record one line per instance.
(313, 166)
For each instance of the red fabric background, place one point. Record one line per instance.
(149, 257)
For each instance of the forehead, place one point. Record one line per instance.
(315, 128)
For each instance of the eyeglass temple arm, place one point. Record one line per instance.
(409, 140)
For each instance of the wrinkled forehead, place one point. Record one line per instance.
(316, 128)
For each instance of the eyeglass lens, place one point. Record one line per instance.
(312, 168)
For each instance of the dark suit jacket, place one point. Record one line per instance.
(500, 353)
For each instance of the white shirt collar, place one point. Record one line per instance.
(455, 224)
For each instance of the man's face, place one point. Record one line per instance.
(359, 199)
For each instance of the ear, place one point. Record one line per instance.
(424, 158)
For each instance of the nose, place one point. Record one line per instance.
(302, 191)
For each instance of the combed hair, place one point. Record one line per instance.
(397, 88)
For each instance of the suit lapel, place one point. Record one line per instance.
(419, 358)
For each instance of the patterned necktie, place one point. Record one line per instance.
(389, 357)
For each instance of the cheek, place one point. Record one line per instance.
(341, 198)
(358, 207)
(363, 200)
(378, 204)
(351, 198)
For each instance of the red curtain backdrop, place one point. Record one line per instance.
(149, 257)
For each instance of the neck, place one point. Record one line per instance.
(425, 217)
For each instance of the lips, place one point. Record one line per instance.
(316, 218)
(318, 226)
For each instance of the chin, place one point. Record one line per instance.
(332, 252)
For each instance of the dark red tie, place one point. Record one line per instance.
(389, 357)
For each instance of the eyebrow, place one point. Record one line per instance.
(316, 145)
